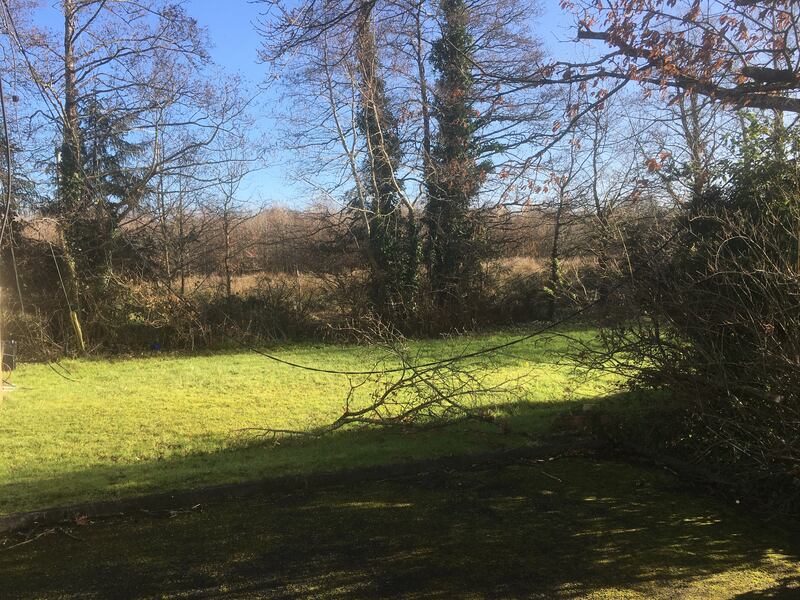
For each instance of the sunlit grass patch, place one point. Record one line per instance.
(127, 426)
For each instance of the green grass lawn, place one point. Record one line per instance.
(131, 426)
(565, 529)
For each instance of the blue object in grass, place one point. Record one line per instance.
(155, 346)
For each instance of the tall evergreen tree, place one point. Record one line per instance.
(455, 174)
(112, 185)
(393, 243)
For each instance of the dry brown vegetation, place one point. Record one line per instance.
(282, 274)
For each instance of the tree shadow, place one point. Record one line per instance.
(558, 529)
(521, 528)
(254, 455)
(788, 587)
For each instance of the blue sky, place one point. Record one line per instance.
(231, 25)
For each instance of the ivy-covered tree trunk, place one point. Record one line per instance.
(455, 176)
(69, 171)
(393, 239)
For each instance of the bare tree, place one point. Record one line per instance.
(120, 88)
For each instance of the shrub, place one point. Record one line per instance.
(718, 319)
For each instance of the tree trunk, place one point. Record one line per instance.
(423, 93)
(181, 242)
(226, 232)
(555, 253)
(69, 165)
